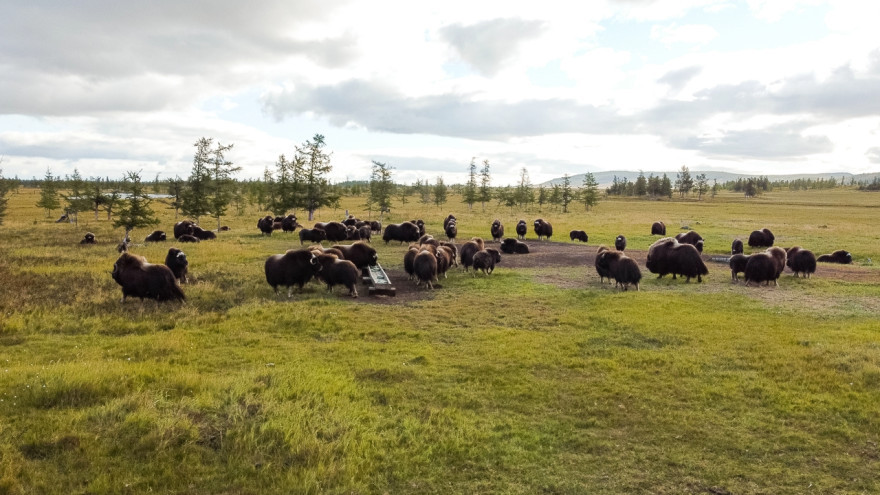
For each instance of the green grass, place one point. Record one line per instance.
(501, 384)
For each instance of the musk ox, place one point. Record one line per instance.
(358, 253)
(451, 230)
(497, 230)
(288, 223)
(183, 227)
(453, 249)
(202, 234)
(89, 238)
(486, 260)
(614, 264)
(351, 221)
(445, 260)
(312, 235)
(145, 280)
(429, 239)
(375, 226)
(620, 243)
(322, 250)
(513, 246)
(521, 229)
(765, 267)
(425, 268)
(335, 271)
(658, 228)
(448, 219)
(365, 232)
(408, 259)
(801, 260)
(780, 257)
(692, 238)
(336, 231)
(468, 250)
(177, 262)
(578, 235)
(295, 267)
(736, 247)
(737, 265)
(421, 225)
(352, 233)
(401, 232)
(543, 229)
(188, 238)
(601, 263)
(761, 238)
(839, 256)
(156, 236)
(265, 225)
(670, 256)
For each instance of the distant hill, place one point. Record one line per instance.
(606, 178)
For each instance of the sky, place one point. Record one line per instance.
(555, 87)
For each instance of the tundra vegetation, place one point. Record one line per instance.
(532, 380)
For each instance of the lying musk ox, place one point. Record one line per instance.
(736, 247)
(692, 238)
(737, 265)
(578, 235)
(486, 260)
(358, 253)
(468, 250)
(521, 229)
(89, 238)
(761, 238)
(620, 243)
(513, 246)
(295, 267)
(312, 235)
(425, 268)
(177, 262)
(451, 230)
(669, 256)
(188, 238)
(265, 225)
(401, 232)
(202, 234)
(497, 230)
(145, 280)
(336, 231)
(335, 271)
(658, 228)
(183, 227)
(614, 264)
(156, 236)
(543, 229)
(801, 260)
(839, 256)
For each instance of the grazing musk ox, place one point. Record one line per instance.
(667, 255)
(840, 256)
(765, 267)
(401, 232)
(736, 247)
(578, 235)
(543, 229)
(522, 229)
(359, 253)
(335, 271)
(145, 280)
(801, 260)
(295, 267)
(620, 243)
(761, 238)
(156, 236)
(497, 230)
(486, 260)
(177, 262)
(658, 228)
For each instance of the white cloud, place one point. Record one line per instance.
(691, 33)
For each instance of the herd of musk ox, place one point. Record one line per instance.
(428, 258)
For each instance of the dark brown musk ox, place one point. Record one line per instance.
(451, 230)
(620, 243)
(312, 235)
(365, 232)
(408, 259)
(445, 260)
(265, 225)
(761, 238)
(840, 256)
(623, 269)
(801, 260)
(375, 226)
(89, 238)
(188, 238)
(359, 253)
(691, 237)
(468, 250)
(202, 234)
(145, 280)
(318, 249)
(183, 227)
(486, 260)
(428, 239)
(420, 224)
(667, 255)
(522, 228)
(277, 223)
(601, 263)
(658, 228)
(448, 219)
(288, 223)
(177, 262)
(295, 267)
(452, 248)
(737, 265)
(513, 246)
(335, 271)
(497, 230)
(352, 233)
(156, 236)
(765, 267)
(425, 266)
(336, 231)
(578, 235)
(543, 229)
(351, 221)
(736, 247)
(779, 255)
(401, 232)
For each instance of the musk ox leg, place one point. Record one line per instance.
(699, 279)
(352, 291)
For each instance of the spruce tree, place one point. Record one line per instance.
(589, 191)
(485, 193)
(134, 211)
(49, 193)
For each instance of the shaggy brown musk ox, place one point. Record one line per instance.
(335, 271)
(669, 256)
(761, 238)
(295, 267)
(145, 280)
(658, 228)
(801, 260)
(177, 262)
(486, 260)
(497, 230)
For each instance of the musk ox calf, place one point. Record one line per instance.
(543, 229)
(468, 250)
(145, 280)
(188, 238)
(336, 231)
(265, 225)
(295, 267)
(513, 246)
(614, 264)
(692, 238)
(801, 260)
(288, 223)
(839, 256)
(183, 227)
(658, 228)
(451, 230)
(358, 253)
(761, 238)
(737, 265)
(335, 271)
(521, 229)
(202, 234)
(486, 260)
(401, 232)
(620, 243)
(497, 230)
(177, 262)
(156, 236)
(578, 235)
(312, 235)
(670, 256)
(736, 247)
(89, 238)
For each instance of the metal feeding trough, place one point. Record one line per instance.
(720, 259)
(378, 280)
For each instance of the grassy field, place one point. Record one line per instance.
(512, 383)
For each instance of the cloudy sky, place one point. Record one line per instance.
(755, 86)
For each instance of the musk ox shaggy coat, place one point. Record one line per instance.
(761, 238)
(401, 232)
(453, 249)
(620, 243)
(145, 280)
(736, 247)
(375, 226)
(352, 233)
(312, 235)
(692, 238)
(669, 256)
(265, 225)
(295, 267)
(445, 260)
(780, 257)
(614, 264)
(188, 238)
(451, 230)
(578, 235)
(156, 236)
(183, 227)
(839, 256)
(408, 259)
(497, 230)
(737, 264)
(288, 223)
(365, 232)
(335, 271)
(522, 229)
(762, 267)
(449, 219)
(543, 229)
(486, 260)
(336, 231)
(202, 234)
(513, 246)
(351, 221)
(177, 262)
(468, 250)
(658, 228)
(425, 268)
(89, 238)
(601, 263)
(358, 253)
(801, 260)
